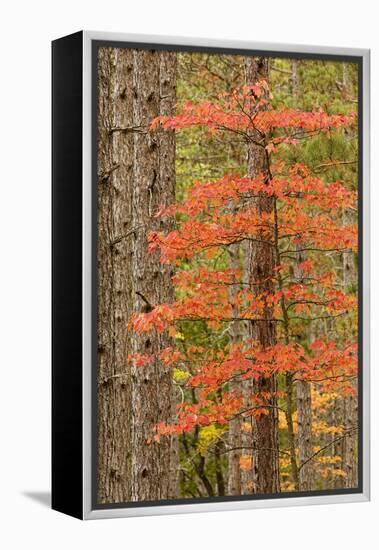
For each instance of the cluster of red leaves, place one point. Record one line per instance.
(219, 213)
(195, 236)
(252, 361)
(249, 110)
(325, 364)
(206, 297)
(319, 230)
(203, 413)
(332, 367)
(248, 361)
(206, 196)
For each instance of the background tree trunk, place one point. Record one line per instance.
(304, 423)
(303, 388)
(234, 433)
(350, 403)
(262, 262)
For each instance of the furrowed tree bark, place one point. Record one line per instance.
(304, 434)
(115, 151)
(265, 463)
(154, 466)
(303, 388)
(234, 433)
(136, 174)
(350, 403)
(349, 455)
(247, 425)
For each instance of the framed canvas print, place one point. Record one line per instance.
(210, 275)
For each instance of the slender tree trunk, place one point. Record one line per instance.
(240, 480)
(303, 388)
(154, 466)
(304, 426)
(247, 426)
(349, 456)
(295, 81)
(350, 403)
(265, 462)
(220, 481)
(337, 448)
(234, 433)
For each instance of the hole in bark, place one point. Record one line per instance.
(144, 473)
(148, 343)
(145, 380)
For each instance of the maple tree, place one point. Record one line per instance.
(306, 221)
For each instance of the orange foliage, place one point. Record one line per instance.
(217, 214)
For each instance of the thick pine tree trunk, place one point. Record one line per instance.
(262, 262)
(154, 466)
(115, 149)
(136, 174)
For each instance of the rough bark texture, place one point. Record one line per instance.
(350, 403)
(114, 274)
(136, 175)
(349, 451)
(262, 262)
(295, 80)
(154, 466)
(349, 454)
(234, 433)
(304, 433)
(247, 426)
